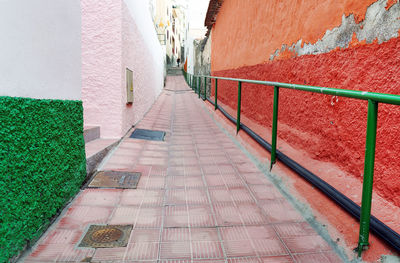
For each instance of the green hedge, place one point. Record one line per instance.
(42, 165)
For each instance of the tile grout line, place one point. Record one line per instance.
(212, 207)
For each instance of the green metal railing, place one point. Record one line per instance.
(373, 99)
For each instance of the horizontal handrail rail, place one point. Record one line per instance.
(355, 94)
(373, 98)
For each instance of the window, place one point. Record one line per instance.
(129, 86)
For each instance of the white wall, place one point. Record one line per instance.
(189, 54)
(140, 13)
(143, 54)
(40, 49)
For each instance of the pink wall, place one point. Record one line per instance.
(138, 56)
(112, 41)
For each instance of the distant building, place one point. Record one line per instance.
(169, 17)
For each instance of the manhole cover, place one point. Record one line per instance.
(106, 236)
(115, 179)
(149, 135)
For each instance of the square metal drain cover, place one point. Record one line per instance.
(106, 236)
(115, 179)
(149, 135)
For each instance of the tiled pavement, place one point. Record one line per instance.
(200, 199)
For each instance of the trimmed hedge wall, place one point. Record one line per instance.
(42, 165)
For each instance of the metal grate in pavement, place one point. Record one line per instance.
(115, 179)
(101, 236)
(149, 135)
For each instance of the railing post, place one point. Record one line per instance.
(274, 126)
(368, 175)
(239, 106)
(198, 86)
(216, 94)
(205, 88)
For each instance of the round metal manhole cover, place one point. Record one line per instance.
(106, 235)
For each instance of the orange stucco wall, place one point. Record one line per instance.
(252, 30)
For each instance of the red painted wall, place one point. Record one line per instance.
(326, 129)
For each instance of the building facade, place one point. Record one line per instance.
(170, 21)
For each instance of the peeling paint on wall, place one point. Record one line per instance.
(380, 25)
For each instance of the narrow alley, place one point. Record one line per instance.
(199, 199)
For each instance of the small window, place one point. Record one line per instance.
(129, 86)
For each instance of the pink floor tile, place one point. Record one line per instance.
(175, 250)
(303, 244)
(194, 182)
(176, 221)
(294, 229)
(209, 260)
(241, 195)
(269, 247)
(261, 232)
(207, 160)
(145, 220)
(139, 235)
(204, 234)
(251, 214)
(176, 196)
(132, 197)
(158, 171)
(196, 196)
(226, 169)
(332, 257)
(193, 170)
(176, 171)
(155, 182)
(60, 252)
(244, 260)
(109, 254)
(239, 248)
(263, 192)
(125, 215)
(209, 169)
(99, 197)
(207, 249)
(142, 251)
(175, 234)
(277, 259)
(220, 195)
(200, 216)
(310, 258)
(256, 178)
(279, 210)
(227, 215)
(175, 261)
(214, 180)
(247, 167)
(234, 233)
(175, 182)
(78, 217)
(62, 236)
